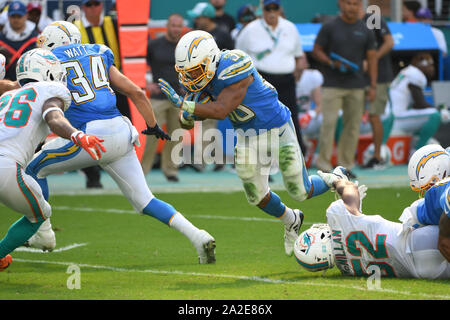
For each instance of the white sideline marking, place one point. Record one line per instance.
(66, 248)
(118, 211)
(230, 276)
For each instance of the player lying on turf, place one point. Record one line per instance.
(262, 123)
(91, 77)
(355, 242)
(429, 173)
(26, 115)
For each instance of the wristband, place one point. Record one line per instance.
(188, 106)
(74, 135)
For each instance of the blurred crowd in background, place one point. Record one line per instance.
(338, 92)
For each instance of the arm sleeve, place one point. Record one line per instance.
(384, 30)
(371, 41)
(418, 97)
(234, 71)
(323, 35)
(108, 54)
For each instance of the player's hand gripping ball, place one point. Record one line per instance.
(187, 120)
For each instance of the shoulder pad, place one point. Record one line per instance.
(234, 63)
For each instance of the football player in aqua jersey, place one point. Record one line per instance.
(26, 115)
(429, 173)
(262, 123)
(91, 78)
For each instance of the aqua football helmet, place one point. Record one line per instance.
(428, 165)
(313, 250)
(39, 65)
(57, 34)
(196, 59)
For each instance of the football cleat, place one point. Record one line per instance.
(5, 262)
(291, 232)
(205, 245)
(42, 239)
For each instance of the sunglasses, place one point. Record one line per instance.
(272, 8)
(92, 4)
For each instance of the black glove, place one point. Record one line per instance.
(157, 132)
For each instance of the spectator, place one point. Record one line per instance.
(203, 16)
(274, 45)
(35, 14)
(309, 102)
(424, 15)
(439, 8)
(245, 15)
(95, 27)
(223, 19)
(412, 113)
(18, 36)
(161, 59)
(409, 10)
(348, 37)
(384, 45)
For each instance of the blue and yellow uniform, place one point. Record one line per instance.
(87, 70)
(435, 202)
(260, 109)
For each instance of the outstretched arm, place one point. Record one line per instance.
(127, 87)
(54, 116)
(349, 193)
(227, 101)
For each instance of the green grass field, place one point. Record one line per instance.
(123, 255)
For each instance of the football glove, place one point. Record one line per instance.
(90, 143)
(175, 98)
(157, 132)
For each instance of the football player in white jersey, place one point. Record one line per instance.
(27, 115)
(412, 113)
(354, 242)
(92, 79)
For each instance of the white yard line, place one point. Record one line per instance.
(66, 248)
(230, 276)
(118, 211)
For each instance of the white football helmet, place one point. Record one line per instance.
(312, 249)
(428, 165)
(39, 65)
(57, 34)
(196, 59)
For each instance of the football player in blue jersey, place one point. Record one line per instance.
(429, 173)
(262, 123)
(91, 78)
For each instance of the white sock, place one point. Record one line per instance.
(183, 225)
(288, 217)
